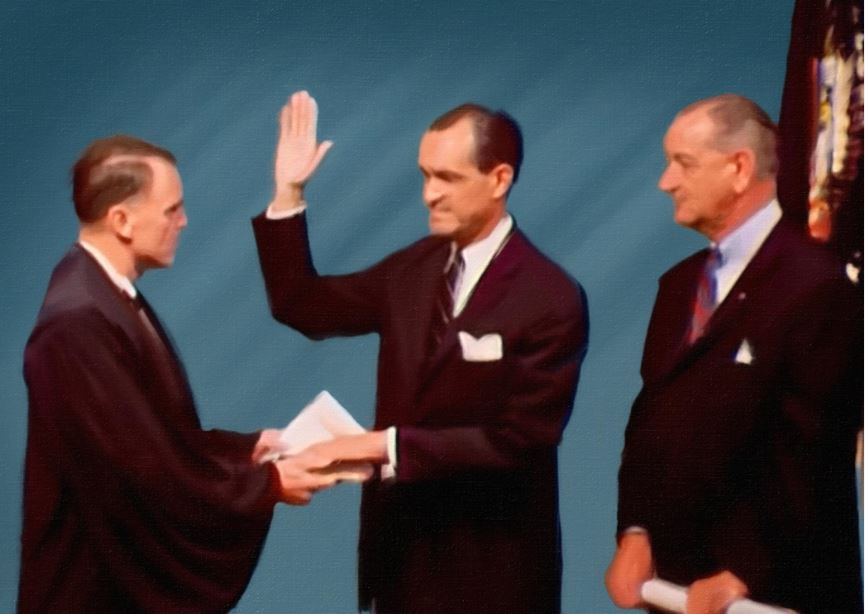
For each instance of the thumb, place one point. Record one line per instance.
(320, 152)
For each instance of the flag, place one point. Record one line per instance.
(820, 127)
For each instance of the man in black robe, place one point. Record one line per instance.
(128, 504)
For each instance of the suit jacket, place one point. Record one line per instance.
(471, 522)
(739, 450)
(129, 506)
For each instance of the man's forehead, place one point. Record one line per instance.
(126, 158)
(455, 141)
(693, 129)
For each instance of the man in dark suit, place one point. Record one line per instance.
(737, 474)
(129, 506)
(481, 343)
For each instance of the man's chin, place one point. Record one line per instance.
(682, 218)
(147, 264)
(441, 230)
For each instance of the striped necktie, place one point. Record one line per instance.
(446, 297)
(704, 301)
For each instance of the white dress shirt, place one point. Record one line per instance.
(477, 257)
(738, 248)
(120, 280)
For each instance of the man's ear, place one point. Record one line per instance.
(745, 169)
(502, 177)
(119, 220)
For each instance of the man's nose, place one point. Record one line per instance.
(667, 180)
(431, 192)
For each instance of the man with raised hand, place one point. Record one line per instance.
(481, 340)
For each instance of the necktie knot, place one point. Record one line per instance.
(134, 301)
(137, 305)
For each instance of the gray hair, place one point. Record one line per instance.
(740, 122)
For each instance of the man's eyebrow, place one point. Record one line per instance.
(442, 174)
(682, 157)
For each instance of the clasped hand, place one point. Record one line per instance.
(322, 465)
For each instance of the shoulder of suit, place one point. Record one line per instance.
(73, 293)
(418, 253)
(541, 275)
(803, 257)
(70, 328)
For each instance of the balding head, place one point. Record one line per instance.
(740, 123)
(110, 171)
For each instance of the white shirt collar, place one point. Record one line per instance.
(119, 280)
(738, 248)
(477, 257)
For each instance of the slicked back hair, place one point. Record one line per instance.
(740, 121)
(498, 137)
(98, 182)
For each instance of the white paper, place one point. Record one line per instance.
(672, 597)
(322, 419)
(662, 594)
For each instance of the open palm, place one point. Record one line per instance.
(298, 153)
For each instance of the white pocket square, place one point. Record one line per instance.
(745, 354)
(484, 349)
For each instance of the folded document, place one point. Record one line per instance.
(322, 419)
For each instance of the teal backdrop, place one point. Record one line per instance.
(594, 85)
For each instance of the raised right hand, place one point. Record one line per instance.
(298, 153)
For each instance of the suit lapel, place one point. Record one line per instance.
(118, 309)
(666, 342)
(735, 303)
(173, 371)
(426, 283)
(487, 293)
(109, 298)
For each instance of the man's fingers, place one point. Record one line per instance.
(713, 594)
(310, 124)
(285, 121)
(297, 497)
(314, 457)
(322, 150)
(296, 113)
(304, 114)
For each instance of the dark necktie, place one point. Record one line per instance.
(446, 297)
(153, 335)
(165, 362)
(704, 301)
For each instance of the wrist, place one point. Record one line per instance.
(287, 198)
(634, 540)
(376, 444)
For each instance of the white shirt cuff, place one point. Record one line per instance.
(271, 214)
(388, 471)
